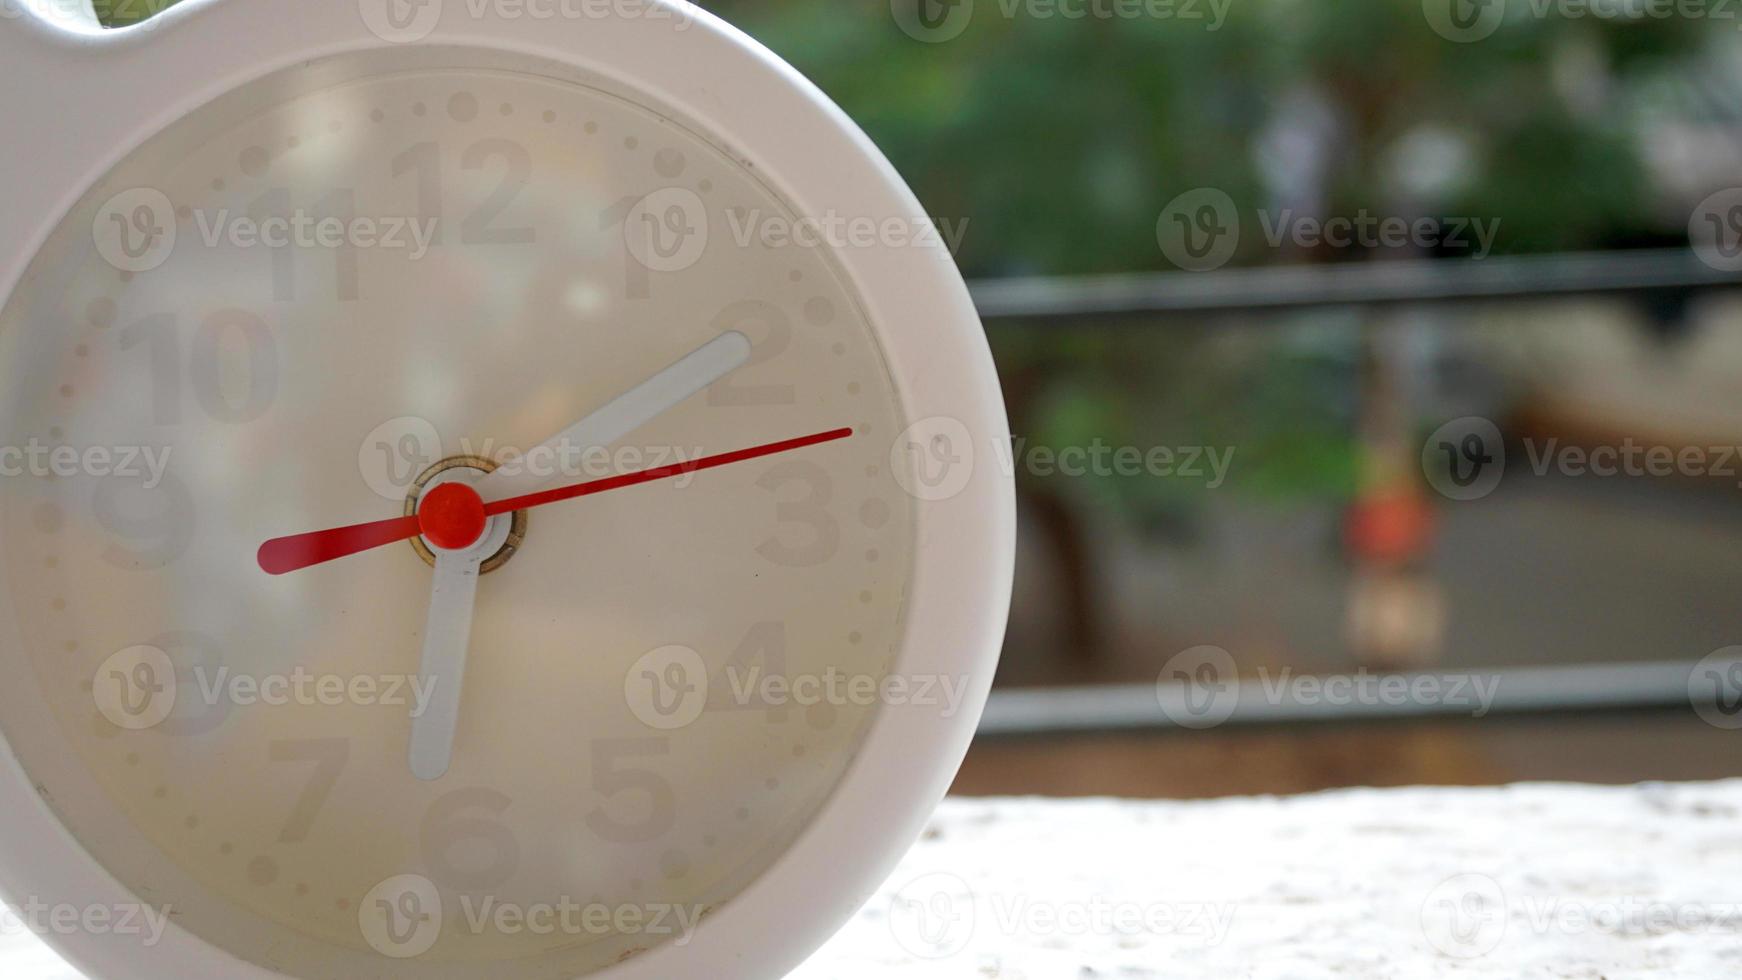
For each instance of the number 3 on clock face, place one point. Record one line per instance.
(446, 534)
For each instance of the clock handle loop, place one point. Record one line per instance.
(45, 18)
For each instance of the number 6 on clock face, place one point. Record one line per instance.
(441, 541)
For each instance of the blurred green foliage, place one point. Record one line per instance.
(1062, 140)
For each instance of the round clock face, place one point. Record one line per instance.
(308, 306)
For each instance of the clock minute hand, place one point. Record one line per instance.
(288, 554)
(630, 410)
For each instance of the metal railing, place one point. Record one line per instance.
(1143, 300)
(1414, 282)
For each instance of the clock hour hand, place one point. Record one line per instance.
(629, 411)
(447, 634)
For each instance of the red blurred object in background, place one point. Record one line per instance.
(1389, 527)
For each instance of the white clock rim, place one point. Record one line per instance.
(103, 93)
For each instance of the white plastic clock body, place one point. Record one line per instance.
(584, 354)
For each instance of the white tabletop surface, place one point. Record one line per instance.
(1526, 882)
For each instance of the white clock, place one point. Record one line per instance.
(486, 489)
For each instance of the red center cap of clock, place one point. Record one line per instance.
(452, 516)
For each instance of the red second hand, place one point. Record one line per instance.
(288, 554)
